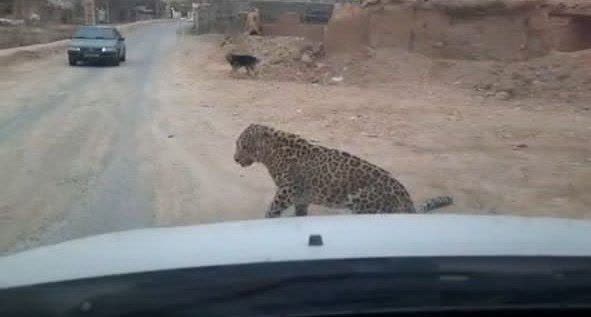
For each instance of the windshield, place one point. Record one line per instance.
(218, 111)
(95, 33)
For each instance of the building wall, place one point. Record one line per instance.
(290, 24)
(348, 30)
(219, 16)
(568, 33)
(308, 12)
(495, 33)
(278, 17)
(499, 35)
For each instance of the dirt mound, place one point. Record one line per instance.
(347, 30)
(560, 76)
(283, 57)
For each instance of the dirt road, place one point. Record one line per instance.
(87, 150)
(71, 141)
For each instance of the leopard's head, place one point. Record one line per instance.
(250, 143)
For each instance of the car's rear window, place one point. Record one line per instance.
(95, 33)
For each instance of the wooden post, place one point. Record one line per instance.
(89, 12)
(18, 9)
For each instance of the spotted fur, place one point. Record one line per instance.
(311, 174)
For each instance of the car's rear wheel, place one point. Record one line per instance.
(72, 61)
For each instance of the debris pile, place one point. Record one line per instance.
(283, 57)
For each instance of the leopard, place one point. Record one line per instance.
(309, 174)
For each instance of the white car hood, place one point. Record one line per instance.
(286, 239)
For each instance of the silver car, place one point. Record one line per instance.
(97, 44)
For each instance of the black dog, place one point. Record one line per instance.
(246, 61)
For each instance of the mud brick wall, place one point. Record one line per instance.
(227, 16)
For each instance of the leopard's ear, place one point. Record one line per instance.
(253, 127)
(256, 126)
(266, 132)
(262, 129)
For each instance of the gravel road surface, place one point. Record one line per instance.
(71, 142)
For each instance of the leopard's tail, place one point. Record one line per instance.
(435, 203)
